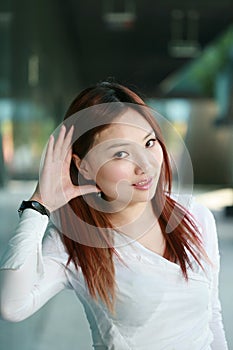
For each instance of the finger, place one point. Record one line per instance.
(59, 143)
(68, 141)
(68, 156)
(69, 135)
(86, 189)
(49, 150)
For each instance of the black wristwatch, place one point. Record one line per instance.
(33, 205)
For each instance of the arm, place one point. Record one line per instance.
(28, 278)
(216, 324)
(206, 222)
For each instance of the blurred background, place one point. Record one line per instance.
(178, 55)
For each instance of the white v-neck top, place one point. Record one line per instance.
(155, 307)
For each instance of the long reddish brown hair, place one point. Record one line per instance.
(95, 262)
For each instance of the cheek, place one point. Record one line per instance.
(158, 155)
(160, 158)
(115, 172)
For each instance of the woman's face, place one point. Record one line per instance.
(125, 160)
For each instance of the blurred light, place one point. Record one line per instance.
(6, 109)
(115, 18)
(119, 20)
(7, 141)
(178, 110)
(217, 199)
(175, 109)
(184, 48)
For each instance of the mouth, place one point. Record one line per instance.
(144, 184)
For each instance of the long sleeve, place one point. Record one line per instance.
(210, 241)
(30, 274)
(216, 323)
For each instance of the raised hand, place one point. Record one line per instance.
(55, 188)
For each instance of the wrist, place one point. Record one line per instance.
(38, 198)
(35, 205)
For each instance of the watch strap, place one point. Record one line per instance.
(35, 206)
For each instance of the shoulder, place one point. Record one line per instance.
(203, 219)
(207, 227)
(202, 215)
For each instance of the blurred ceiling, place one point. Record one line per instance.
(51, 49)
(141, 42)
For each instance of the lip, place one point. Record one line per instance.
(144, 184)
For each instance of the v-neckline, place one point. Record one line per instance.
(152, 253)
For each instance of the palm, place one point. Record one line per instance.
(55, 187)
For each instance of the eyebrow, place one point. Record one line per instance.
(150, 133)
(127, 144)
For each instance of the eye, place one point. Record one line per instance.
(121, 154)
(150, 143)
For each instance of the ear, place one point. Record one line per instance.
(82, 166)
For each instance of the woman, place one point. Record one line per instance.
(144, 267)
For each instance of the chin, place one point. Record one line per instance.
(139, 197)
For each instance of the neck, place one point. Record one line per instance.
(134, 219)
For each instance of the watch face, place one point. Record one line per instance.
(38, 207)
(35, 205)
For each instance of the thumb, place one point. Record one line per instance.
(86, 189)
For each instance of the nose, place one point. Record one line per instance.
(144, 164)
(144, 168)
